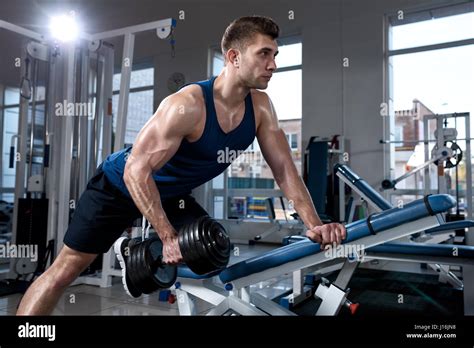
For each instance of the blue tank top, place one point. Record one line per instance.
(195, 162)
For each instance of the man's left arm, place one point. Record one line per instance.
(277, 153)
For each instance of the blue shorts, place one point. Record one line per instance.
(103, 212)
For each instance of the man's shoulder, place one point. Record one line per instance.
(259, 95)
(188, 101)
(190, 93)
(261, 102)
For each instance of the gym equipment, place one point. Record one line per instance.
(205, 248)
(444, 154)
(445, 140)
(454, 151)
(436, 256)
(204, 245)
(320, 155)
(307, 258)
(60, 154)
(378, 229)
(146, 270)
(450, 155)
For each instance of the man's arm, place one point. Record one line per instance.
(156, 143)
(277, 153)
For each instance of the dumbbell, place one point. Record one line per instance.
(205, 248)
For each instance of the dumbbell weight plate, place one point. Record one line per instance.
(144, 269)
(185, 244)
(133, 266)
(218, 245)
(164, 275)
(204, 264)
(215, 247)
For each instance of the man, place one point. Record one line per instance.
(177, 150)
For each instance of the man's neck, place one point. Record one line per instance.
(229, 90)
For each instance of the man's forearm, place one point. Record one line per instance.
(146, 196)
(295, 190)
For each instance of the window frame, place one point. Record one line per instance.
(413, 16)
(135, 67)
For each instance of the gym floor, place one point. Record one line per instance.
(377, 291)
(93, 300)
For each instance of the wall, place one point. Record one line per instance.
(336, 100)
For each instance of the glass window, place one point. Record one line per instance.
(138, 78)
(452, 28)
(140, 103)
(12, 96)
(294, 141)
(8, 197)
(10, 128)
(428, 83)
(140, 109)
(441, 79)
(217, 62)
(289, 55)
(285, 91)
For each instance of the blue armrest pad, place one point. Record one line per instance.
(446, 250)
(363, 186)
(449, 226)
(455, 225)
(185, 272)
(381, 221)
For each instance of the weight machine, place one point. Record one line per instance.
(56, 166)
(446, 154)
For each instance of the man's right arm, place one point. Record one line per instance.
(156, 143)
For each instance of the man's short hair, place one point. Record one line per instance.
(239, 33)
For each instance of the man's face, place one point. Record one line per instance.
(258, 62)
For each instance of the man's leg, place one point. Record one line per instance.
(43, 295)
(101, 215)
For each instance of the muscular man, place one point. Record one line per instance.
(177, 150)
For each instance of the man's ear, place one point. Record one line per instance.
(233, 55)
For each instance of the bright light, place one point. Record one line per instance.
(64, 28)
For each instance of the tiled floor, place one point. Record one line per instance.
(93, 300)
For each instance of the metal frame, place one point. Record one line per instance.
(439, 46)
(58, 184)
(66, 150)
(240, 299)
(2, 118)
(334, 295)
(367, 242)
(442, 188)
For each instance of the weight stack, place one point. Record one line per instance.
(32, 223)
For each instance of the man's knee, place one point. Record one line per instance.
(68, 266)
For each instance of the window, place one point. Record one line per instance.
(431, 72)
(433, 31)
(11, 110)
(140, 101)
(10, 128)
(292, 140)
(217, 62)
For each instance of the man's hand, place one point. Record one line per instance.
(171, 252)
(327, 234)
